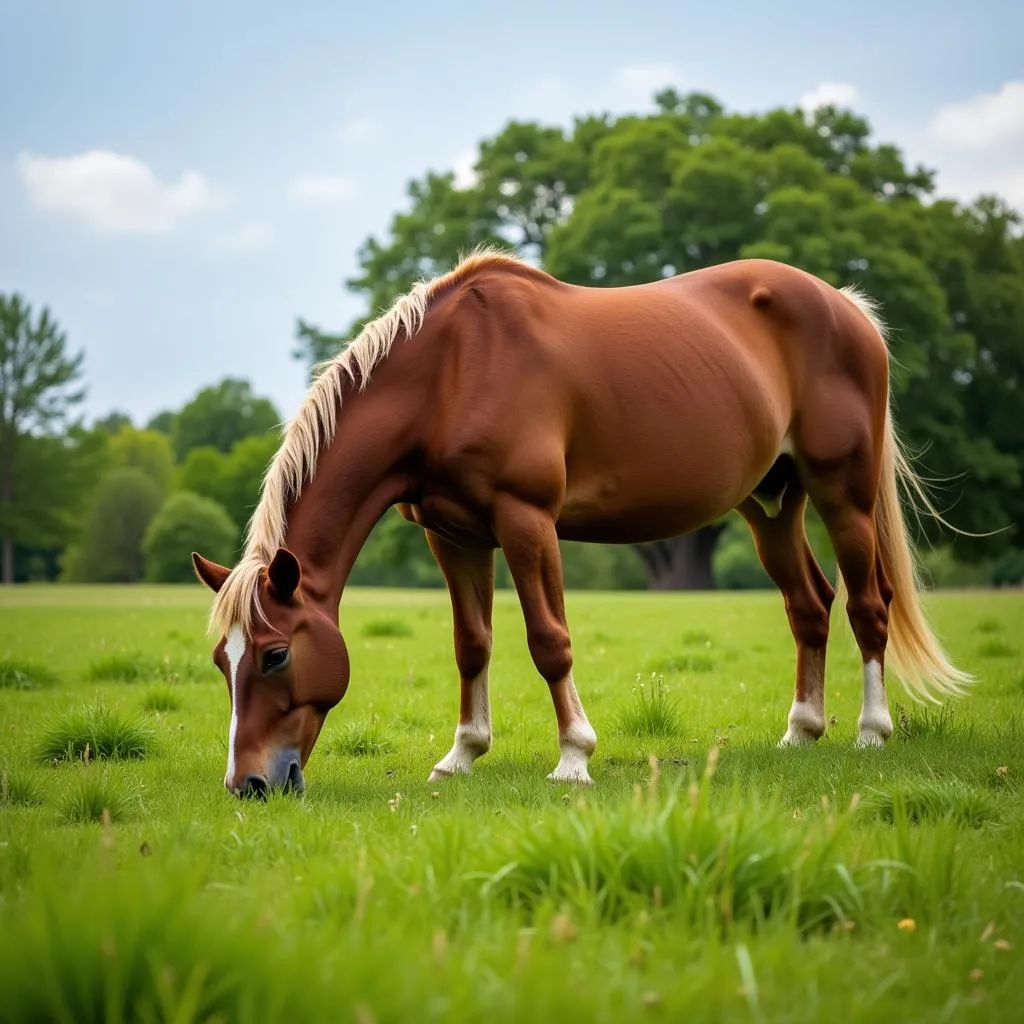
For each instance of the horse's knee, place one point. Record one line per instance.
(809, 624)
(472, 651)
(869, 619)
(551, 650)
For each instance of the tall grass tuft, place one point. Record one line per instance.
(715, 866)
(95, 731)
(387, 627)
(922, 722)
(20, 789)
(361, 739)
(161, 698)
(918, 800)
(91, 794)
(139, 666)
(652, 711)
(996, 647)
(20, 674)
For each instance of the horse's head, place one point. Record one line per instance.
(284, 673)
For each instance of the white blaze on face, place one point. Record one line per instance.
(234, 648)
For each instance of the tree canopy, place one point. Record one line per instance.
(221, 415)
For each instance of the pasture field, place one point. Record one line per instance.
(722, 880)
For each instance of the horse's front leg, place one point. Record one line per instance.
(469, 574)
(528, 538)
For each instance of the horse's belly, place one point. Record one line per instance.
(612, 510)
(630, 482)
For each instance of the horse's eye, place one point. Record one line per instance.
(275, 659)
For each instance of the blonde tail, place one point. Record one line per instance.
(913, 651)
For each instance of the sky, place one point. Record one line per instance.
(180, 182)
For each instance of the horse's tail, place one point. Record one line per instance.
(913, 651)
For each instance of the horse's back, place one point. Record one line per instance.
(644, 410)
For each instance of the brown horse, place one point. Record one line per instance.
(519, 409)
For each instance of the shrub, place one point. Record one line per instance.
(111, 545)
(1009, 570)
(186, 523)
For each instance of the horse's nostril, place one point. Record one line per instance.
(255, 786)
(295, 782)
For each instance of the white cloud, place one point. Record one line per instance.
(111, 192)
(829, 94)
(465, 175)
(642, 81)
(325, 188)
(986, 120)
(251, 236)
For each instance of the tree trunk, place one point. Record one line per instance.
(681, 563)
(6, 499)
(8, 559)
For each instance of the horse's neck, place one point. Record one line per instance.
(360, 474)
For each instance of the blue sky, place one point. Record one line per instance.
(179, 182)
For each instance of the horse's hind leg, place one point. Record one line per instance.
(844, 491)
(787, 558)
(470, 577)
(528, 538)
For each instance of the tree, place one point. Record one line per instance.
(232, 480)
(220, 416)
(111, 546)
(148, 450)
(38, 387)
(633, 199)
(113, 422)
(314, 346)
(56, 480)
(163, 422)
(185, 523)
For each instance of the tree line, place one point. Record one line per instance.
(610, 201)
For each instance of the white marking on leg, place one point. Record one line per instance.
(234, 648)
(807, 717)
(875, 721)
(576, 742)
(472, 738)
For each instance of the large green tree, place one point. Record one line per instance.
(616, 201)
(39, 385)
(148, 450)
(220, 416)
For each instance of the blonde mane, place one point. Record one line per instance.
(295, 461)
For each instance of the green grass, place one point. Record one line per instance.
(708, 876)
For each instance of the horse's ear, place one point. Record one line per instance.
(284, 574)
(210, 573)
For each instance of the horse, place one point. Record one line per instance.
(498, 406)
